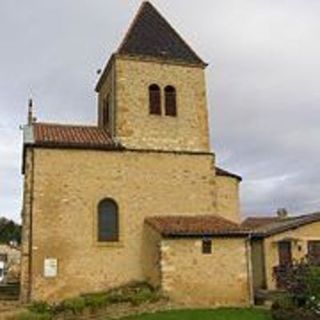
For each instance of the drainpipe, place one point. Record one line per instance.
(249, 269)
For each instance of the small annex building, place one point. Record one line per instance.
(279, 241)
(138, 196)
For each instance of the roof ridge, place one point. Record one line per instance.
(142, 10)
(133, 22)
(56, 124)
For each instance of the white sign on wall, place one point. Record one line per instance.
(50, 267)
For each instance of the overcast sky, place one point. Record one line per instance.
(263, 84)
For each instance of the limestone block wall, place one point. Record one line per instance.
(25, 281)
(138, 129)
(68, 185)
(228, 198)
(194, 279)
(303, 234)
(151, 257)
(106, 90)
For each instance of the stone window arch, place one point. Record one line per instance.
(108, 221)
(170, 101)
(154, 99)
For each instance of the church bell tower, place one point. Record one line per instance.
(152, 93)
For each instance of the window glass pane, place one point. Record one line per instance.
(206, 246)
(108, 221)
(154, 99)
(171, 101)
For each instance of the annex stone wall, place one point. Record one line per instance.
(151, 262)
(302, 235)
(218, 279)
(138, 129)
(68, 185)
(228, 198)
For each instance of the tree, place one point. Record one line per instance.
(9, 231)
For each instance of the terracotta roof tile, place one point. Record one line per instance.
(257, 222)
(46, 134)
(264, 227)
(151, 35)
(206, 225)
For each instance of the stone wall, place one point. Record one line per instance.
(151, 257)
(218, 279)
(106, 90)
(228, 200)
(69, 184)
(303, 234)
(25, 281)
(138, 129)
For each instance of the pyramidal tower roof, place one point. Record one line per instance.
(151, 35)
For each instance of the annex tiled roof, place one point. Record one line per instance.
(257, 222)
(151, 35)
(46, 134)
(224, 173)
(278, 225)
(195, 226)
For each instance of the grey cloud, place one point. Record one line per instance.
(263, 84)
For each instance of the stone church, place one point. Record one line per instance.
(138, 196)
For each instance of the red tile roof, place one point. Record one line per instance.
(186, 226)
(48, 134)
(264, 227)
(257, 222)
(224, 173)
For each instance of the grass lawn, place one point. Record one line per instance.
(219, 314)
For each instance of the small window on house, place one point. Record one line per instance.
(106, 112)
(314, 252)
(206, 246)
(154, 99)
(170, 101)
(108, 221)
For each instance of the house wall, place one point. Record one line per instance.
(299, 249)
(138, 129)
(194, 279)
(12, 264)
(68, 185)
(151, 257)
(228, 198)
(258, 264)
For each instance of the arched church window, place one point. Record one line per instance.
(170, 101)
(154, 99)
(108, 221)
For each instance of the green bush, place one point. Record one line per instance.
(293, 314)
(75, 305)
(33, 316)
(302, 284)
(135, 293)
(40, 307)
(283, 301)
(96, 301)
